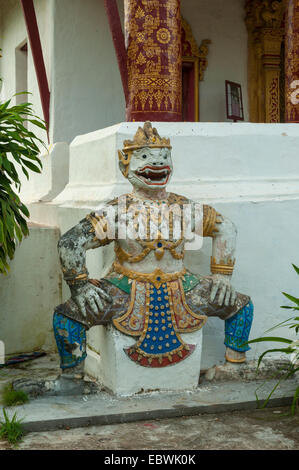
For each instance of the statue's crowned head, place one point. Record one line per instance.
(146, 160)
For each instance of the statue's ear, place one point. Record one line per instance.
(123, 163)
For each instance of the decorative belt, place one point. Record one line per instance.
(156, 277)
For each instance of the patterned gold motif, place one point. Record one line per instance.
(223, 267)
(147, 217)
(211, 220)
(179, 315)
(157, 277)
(121, 321)
(154, 63)
(183, 346)
(179, 307)
(163, 35)
(264, 20)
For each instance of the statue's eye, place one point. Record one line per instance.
(144, 156)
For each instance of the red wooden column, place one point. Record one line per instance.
(154, 58)
(37, 54)
(292, 61)
(118, 41)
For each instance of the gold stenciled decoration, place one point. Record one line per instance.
(264, 13)
(152, 30)
(264, 20)
(156, 277)
(222, 267)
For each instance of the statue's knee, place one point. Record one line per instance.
(247, 311)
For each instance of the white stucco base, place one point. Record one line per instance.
(115, 371)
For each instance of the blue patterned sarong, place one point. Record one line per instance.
(237, 329)
(70, 339)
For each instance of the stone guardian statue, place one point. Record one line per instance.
(148, 292)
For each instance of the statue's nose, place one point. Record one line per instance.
(158, 163)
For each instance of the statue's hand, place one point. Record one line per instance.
(86, 293)
(222, 286)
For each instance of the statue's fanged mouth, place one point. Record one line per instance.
(152, 175)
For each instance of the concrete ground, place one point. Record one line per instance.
(224, 424)
(269, 429)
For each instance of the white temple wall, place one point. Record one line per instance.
(223, 23)
(17, 74)
(82, 70)
(29, 293)
(86, 90)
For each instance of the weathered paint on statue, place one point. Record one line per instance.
(148, 292)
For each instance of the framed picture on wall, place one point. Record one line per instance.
(234, 102)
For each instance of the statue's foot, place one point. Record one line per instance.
(69, 382)
(74, 373)
(235, 356)
(66, 385)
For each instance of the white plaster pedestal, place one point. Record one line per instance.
(114, 370)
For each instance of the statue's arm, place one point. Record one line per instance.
(222, 262)
(223, 233)
(88, 234)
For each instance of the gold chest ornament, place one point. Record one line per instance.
(158, 226)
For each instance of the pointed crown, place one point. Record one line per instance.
(146, 137)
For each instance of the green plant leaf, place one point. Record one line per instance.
(25, 172)
(295, 401)
(296, 268)
(38, 123)
(24, 209)
(31, 166)
(279, 325)
(292, 298)
(18, 146)
(270, 338)
(283, 350)
(1, 232)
